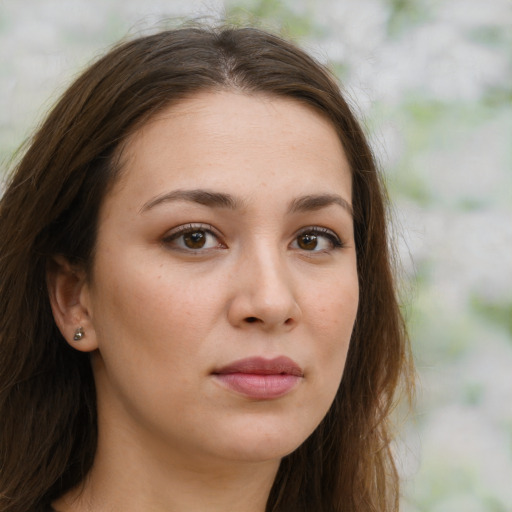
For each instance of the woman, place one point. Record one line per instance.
(198, 309)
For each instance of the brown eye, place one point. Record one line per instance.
(195, 239)
(307, 241)
(317, 239)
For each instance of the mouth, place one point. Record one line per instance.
(259, 378)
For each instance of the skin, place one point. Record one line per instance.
(160, 318)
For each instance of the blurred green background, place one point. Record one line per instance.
(432, 82)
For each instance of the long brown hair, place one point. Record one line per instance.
(47, 396)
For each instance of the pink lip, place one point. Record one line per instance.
(260, 378)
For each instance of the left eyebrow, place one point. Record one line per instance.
(317, 202)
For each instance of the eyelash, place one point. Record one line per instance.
(319, 231)
(181, 231)
(316, 231)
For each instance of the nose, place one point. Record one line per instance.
(264, 293)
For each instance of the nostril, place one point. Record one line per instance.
(251, 319)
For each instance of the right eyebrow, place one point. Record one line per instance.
(200, 196)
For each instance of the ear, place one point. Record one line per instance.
(68, 290)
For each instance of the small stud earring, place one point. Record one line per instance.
(79, 334)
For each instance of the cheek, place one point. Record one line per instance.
(149, 323)
(331, 318)
(143, 295)
(333, 310)
(152, 319)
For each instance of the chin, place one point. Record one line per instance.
(266, 450)
(263, 442)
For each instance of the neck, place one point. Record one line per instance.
(131, 474)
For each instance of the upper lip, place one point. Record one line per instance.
(281, 365)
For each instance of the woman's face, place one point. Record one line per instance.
(224, 287)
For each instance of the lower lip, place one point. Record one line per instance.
(262, 387)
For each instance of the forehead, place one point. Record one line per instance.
(214, 138)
